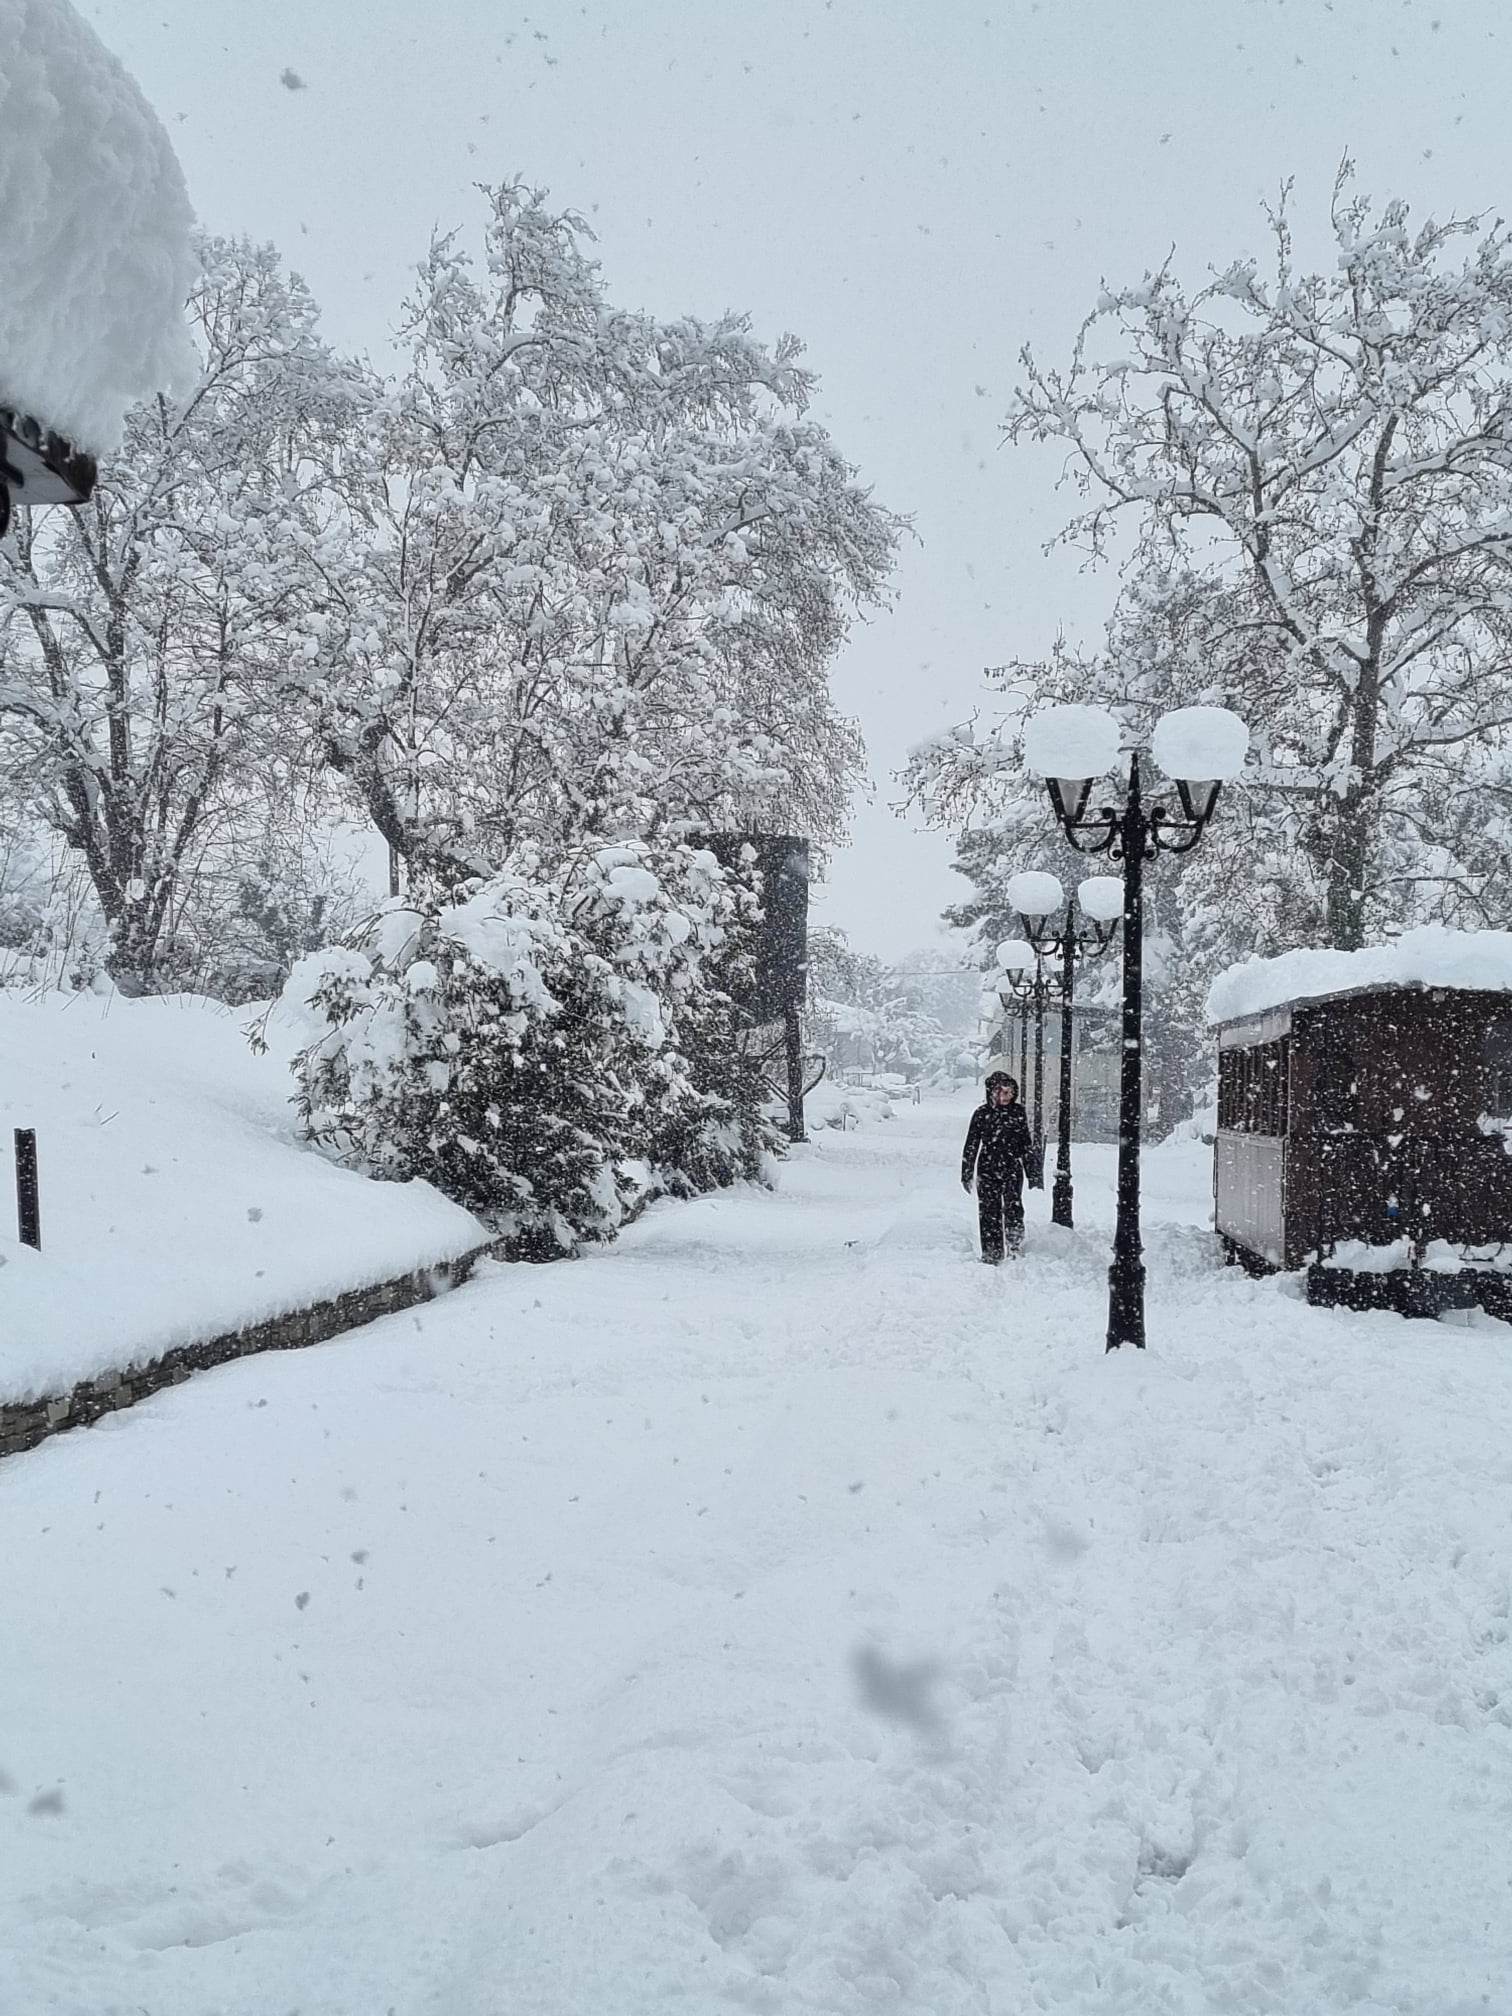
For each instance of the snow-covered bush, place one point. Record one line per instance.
(466, 1041)
(519, 1042)
(846, 1106)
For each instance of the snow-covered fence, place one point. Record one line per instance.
(24, 1423)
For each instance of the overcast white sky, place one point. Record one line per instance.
(916, 187)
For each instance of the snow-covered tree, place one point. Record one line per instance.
(589, 569)
(862, 1014)
(1316, 473)
(143, 637)
(942, 981)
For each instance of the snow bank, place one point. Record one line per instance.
(1431, 956)
(177, 1201)
(94, 230)
(1440, 1256)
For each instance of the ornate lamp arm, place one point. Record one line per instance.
(1175, 833)
(1094, 832)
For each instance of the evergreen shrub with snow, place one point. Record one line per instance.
(546, 1047)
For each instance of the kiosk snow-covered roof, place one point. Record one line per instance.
(95, 258)
(1431, 956)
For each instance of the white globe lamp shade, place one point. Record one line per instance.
(1068, 746)
(1035, 894)
(1014, 956)
(1200, 749)
(1101, 897)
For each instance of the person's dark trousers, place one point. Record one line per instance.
(1000, 1213)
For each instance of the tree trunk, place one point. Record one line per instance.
(1351, 856)
(132, 960)
(1348, 866)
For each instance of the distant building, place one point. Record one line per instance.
(1094, 1114)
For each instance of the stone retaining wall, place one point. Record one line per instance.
(24, 1423)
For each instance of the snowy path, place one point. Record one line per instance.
(780, 1612)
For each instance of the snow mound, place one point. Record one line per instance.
(842, 1106)
(1014, 955)
(94, 230)
(1431, 956)
(177, 1201)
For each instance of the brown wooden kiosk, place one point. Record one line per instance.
(1365, 1121)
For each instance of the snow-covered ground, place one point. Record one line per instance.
(780, 1612)
(177, 1200)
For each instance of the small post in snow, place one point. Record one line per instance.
(793, 1040)
(28, 1206)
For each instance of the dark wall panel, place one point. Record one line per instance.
(782, 866)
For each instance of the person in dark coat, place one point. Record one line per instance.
(998, 1155)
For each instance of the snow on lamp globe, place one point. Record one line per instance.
(1069, 746)
(1200, 749)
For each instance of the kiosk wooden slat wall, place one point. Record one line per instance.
(1370, 1116)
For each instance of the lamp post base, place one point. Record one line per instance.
(1126, 1282)
(1060, 1200)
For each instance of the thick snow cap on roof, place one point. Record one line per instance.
(1431, 956)
(95, 258)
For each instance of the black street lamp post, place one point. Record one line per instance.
(1060, 937)
(1060, 1192)
(1023, 984)
(1039, 1062)
(1199, 748)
